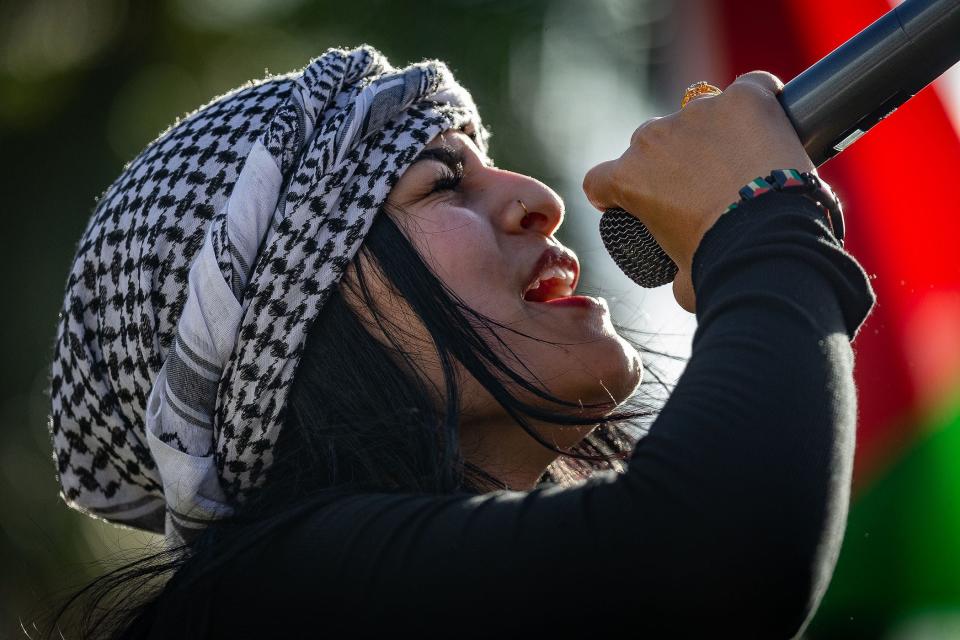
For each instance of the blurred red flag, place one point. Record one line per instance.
(898, 185)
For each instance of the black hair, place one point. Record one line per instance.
(361, 416)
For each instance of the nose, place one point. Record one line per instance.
(525, 204)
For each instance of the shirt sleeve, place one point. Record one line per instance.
(729, 517)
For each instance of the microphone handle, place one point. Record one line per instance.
(831, 105)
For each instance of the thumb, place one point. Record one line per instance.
(763, 80)
(683, 291)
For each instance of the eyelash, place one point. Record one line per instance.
(449, 182)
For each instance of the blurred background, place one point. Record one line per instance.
(85, 85)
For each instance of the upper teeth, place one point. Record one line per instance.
(553, 272)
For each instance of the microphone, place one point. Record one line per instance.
(830, 105)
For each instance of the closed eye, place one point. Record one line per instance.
(447, 182)
(452, 160)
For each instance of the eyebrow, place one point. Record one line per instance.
(448, 155)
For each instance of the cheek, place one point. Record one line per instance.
(465, 256)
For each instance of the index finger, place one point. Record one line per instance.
(599, 186)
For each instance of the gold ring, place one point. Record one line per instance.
(698, 89)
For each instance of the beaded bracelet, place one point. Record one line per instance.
(804, 183)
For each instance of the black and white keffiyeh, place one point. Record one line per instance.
(202, 269)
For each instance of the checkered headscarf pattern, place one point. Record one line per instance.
(202, 268)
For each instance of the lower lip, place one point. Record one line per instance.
(575, 301)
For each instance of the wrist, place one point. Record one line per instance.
(804, 183)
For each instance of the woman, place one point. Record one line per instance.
(315, 336)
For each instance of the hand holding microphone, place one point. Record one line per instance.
(682, 171)
(830, 106)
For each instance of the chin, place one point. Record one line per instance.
(607, 371)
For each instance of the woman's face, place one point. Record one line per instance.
(501, 258)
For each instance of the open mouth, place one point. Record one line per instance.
(556, 282)
(554, 276)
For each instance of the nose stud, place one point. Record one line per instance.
(525, 222)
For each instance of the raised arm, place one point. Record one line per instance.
(729, 517)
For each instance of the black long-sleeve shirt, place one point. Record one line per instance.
(728, 520)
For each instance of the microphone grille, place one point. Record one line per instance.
(634, 250)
